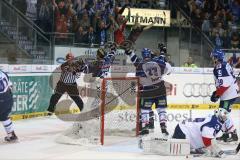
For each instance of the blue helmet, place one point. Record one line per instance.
(218, 54)
(146, 53)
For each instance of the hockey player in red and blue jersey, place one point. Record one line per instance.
(201, 132)
(152, 87)
(226, 91)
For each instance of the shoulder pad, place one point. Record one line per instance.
(224, 64)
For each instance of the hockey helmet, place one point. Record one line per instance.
(101, 53)
(218, 54)
(222, 114)
(146, 53)
(162, 48)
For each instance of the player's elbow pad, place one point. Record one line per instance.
(207, 141)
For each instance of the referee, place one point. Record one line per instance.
(67, 83)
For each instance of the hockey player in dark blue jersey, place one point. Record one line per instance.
(100, 67)
(6, 103)
(152, 88)
(226, 90)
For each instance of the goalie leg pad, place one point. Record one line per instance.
(166, 147)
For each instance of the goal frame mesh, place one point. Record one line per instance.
(102, 105)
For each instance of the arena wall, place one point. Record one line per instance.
(187, 88)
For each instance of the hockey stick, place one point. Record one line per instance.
(238, 148)
(226, 152)
(232, 152)
(126, 45)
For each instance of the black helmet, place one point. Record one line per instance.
(162, 48)
(101, 53)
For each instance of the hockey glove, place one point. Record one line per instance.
(214, 97)
(79, 62)
(126, 45)
(214, 150)
(113, 46)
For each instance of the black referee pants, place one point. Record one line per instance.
(60, 89)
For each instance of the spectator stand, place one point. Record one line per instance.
(233, 57)
(90, 22)
(192, 38)
(220, 20)
(26, 35)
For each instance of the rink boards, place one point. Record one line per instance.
(187, 88)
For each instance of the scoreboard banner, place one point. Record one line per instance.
(148, 16)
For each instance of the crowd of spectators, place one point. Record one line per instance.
(218, 19)
(189, 63)
(91, 21)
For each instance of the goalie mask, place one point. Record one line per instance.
(222, 114)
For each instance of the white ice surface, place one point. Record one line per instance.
(37, 141)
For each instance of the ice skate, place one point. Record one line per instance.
(11, 138)
(164, 129)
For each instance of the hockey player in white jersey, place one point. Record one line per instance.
(152, 87)
(201, 132)
(226, 91)
(6, 103)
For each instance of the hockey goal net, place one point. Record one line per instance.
(116, 101)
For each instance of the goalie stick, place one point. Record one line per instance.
(227, 152)
(232, 152)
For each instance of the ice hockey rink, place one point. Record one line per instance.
(37, 141)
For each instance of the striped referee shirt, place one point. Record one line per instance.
(67, 76)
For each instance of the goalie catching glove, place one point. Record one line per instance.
(214, 150)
